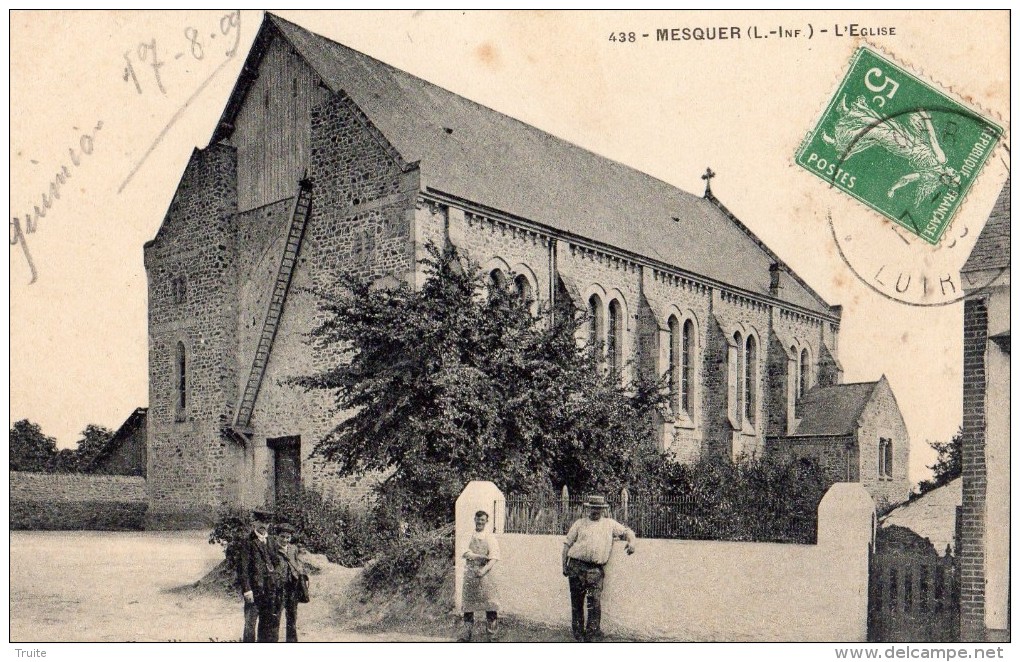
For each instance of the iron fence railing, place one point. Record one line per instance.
(681, 519)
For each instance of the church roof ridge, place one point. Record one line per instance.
(470, 151)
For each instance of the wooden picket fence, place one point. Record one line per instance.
(914, 592)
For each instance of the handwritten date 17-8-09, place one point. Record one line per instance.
(155, 56)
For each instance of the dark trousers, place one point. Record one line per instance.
(290, 605)
(261, 622)
(586, 581)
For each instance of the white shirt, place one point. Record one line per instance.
(592, 541)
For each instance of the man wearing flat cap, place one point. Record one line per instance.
(586, 551)
(259, 574)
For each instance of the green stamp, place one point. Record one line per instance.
(900, 146)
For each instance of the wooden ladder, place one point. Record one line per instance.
(271, 324)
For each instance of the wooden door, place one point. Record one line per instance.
(286, 469)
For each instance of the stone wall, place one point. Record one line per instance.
(76, 502)
(668, 295)
(597, 272)
(837, 457)
(728, 433)
(793, 334)
(192, 469)
(363, 204)
(512, 249)
(881, 419)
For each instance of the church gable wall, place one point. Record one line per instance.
(261, 235)
(273, 128)
(882, 419)
(363, 209)
(191, 283)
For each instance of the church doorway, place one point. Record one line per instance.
(286, 469)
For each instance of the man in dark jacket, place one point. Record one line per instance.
(259, 575)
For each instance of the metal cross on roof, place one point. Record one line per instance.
(708, 180)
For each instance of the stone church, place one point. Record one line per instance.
(326, 160)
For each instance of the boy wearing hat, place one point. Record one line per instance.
(585, 554)
(292, 570)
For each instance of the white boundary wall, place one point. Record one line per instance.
(682, 590)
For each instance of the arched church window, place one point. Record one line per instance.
(596, 321)
(675, 368)
(614, 337)
(740, 374)
(687, 367)
(523, 289)
(751, 380)
(497, 279)
(805, 373)
(182, 382)
(885, 458)
(795, 383)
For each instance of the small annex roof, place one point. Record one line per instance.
(833, 411)
(992, 248)
(126, 429)
(932, 515)
(471, 152)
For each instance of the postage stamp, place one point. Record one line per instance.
(899, 145)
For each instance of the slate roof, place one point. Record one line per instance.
(472, 152)
(833, 411)
(1002, 340)
(992, 248)
(932, 516)
(126, 429)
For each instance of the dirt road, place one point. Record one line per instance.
(126, 586)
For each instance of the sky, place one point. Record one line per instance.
(115, 102)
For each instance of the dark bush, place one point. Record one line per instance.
(752, 499)
(348, 534)
(231, 528)
(417, 563)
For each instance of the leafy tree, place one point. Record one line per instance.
(64, 461)
(460, 381)
(30, 449)
(93, 439)
(948, 466)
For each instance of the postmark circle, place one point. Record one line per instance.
(902, 280)
(895, 258)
